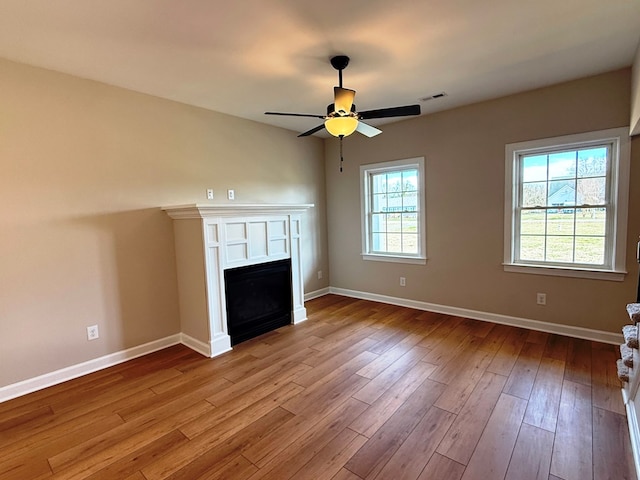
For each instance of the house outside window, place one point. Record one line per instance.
(566, 205)
(393, 213)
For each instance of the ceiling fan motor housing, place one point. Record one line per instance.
(340, 62)
(331, 109)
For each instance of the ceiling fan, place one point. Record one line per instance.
(342, 119)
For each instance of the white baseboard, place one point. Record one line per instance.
(568, 330)
(634, 432)
(317, 293)
(74, 371)
(196, 345)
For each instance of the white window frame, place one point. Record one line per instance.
(365, 196)
(616, 233)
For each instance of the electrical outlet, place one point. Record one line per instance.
(403, 281)
(209, 194)
(231, 195)
(92, 332)
(541, 298)
(319, 274)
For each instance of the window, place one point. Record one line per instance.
(566, 205)
(393, 222)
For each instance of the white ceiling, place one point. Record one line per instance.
(246, 57)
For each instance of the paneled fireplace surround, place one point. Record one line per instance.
(210, 239)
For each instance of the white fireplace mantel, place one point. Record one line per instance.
(203, 210)
(212, 238)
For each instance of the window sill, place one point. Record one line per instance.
(611, 275)
(394, 258)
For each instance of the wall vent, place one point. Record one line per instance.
(435, 96)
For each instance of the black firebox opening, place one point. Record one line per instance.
(258, 299)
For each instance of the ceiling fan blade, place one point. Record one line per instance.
(367, 130)
(343, 99)
(312, 131)
(391, 112)
(295, 114)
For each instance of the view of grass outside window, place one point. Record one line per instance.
(564, 208)
(566, 204)
(393, 220)
(394, 212)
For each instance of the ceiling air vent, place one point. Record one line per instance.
(435, 96)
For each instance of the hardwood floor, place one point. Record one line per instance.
(361, 390)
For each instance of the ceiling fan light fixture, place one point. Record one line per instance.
(341, 126)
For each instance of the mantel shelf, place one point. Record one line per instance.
(233, 210)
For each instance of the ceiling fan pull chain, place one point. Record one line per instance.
(341, 159)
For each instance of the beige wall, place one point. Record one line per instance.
(83, 170)
(464, 150)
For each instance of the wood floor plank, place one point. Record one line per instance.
(445, 326)
(611, 447)
(462, 360)
(337, 362)
(441, 467)
(389, 343)
(383, 361)
(327, 396)
(388, 377)
(491, 457)
(461, 439)
(573, 446)
(22, 457)
(455, 343)
(136, 476)
(538, 337)
(506, 357)
(301, 429)
(239, 468)
(204, 456)
(138, 459)
(26, 468)
(495, 338)
(334, 387)
(100, 452)
(339, 341)
(412, 456)
(330, 460)
(383, 408)
(544, 402)
(238, 414)
(25, 415)
(283, 345)
(372, 457)
(604, 380)
(267, 379)
(114, 399)
(532, 455)
(557, 347)
(523, 375)
(578, 368)
(462, 385)
(196, 392)
(289, 460)
(345, 474)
